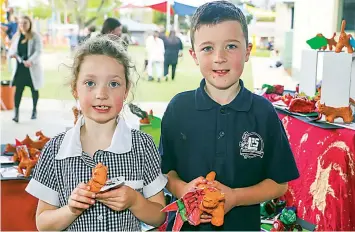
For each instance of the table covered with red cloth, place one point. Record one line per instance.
(325, 192)
(18, 208)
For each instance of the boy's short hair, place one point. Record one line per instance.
(212, 13)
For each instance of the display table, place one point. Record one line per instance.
(18, 208)
(325, 192)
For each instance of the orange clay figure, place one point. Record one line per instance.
(99, 178)
(331, 42)
(25, 161)
(344, 40)
(212, 201)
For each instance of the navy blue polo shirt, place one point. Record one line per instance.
(244, 142)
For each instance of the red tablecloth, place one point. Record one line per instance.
(18, 208)
(325, 192)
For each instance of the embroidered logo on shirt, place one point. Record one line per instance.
(251, 146)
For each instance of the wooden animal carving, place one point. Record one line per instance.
(344, 40)
(25, 161)
(99, 178)
(331, 42)
(332, 113)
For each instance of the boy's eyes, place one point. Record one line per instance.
(231, 46)
(209, 48)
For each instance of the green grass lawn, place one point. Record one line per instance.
(187, 77)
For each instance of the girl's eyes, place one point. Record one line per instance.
(90, 83)
(114, 84)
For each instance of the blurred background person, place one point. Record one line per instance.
(26, 48)
(173, 50)
(112, 26)
(155, 54)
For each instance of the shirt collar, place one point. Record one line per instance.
(242, 102)
(71, 145)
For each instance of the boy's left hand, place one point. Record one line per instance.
(118, 199)
(228, 195)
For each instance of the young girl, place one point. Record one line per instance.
(101, 84)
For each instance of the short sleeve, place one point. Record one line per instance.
(281, 165)
(166, 146)
(44, 184)
(154, 180)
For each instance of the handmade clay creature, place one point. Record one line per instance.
(331, 42)
(203, 199)
(25, 161)
(344, 40)
(332, 113)
(99, 178)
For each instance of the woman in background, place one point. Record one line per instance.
(112, 26)
(26, 48)
(173, 49)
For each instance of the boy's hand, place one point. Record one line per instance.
(81, 199)
(118, 199)
(191, 185)
(228, 195)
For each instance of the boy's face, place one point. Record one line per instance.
(220, 50)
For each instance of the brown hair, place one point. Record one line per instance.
(29, 33)
(108, 45)
(213, 13)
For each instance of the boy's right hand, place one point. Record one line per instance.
(191, 185)
(81, 199)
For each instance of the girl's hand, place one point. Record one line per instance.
(81, 199)
(118, 199)
(191, 185)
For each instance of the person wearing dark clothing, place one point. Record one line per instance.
(26, 49)
(173, 49)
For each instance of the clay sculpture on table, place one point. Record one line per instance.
(332, 113)
(25, 161)
(330, 42)
(344, 40)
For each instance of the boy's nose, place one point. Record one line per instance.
(220, 57)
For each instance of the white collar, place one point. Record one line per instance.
(71, 146)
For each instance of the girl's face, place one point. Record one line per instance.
(101, 88)
(24, 25)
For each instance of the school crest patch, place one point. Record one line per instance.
(251, 146)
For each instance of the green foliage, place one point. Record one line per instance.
(159, 18)
(42, 12)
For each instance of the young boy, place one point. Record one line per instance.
(223, 127)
